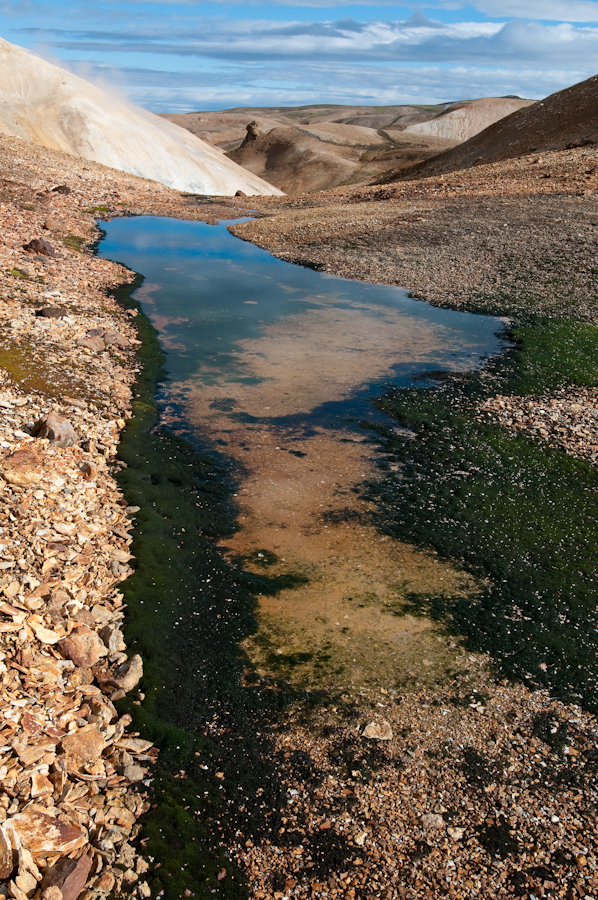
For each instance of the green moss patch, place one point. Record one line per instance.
(519, 515)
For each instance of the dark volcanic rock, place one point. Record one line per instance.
(40, 246)
(51, 312)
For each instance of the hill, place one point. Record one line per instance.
(310, 158)
(307, 148)
(226, 128)
(461, 121)
(49, 106)
(564, 120)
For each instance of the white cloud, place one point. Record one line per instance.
(271, 83)
(517, 44)
(543, 10)
(262, 61)
(550, 10)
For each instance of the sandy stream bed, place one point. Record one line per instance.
(484, 789)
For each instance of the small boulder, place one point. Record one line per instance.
(69, 875)
(83, 746)
(125, 678)
(378, 731)
(23, 468)
(57, 429)
(83, 646)
(61, 189)
(240, 194)
(45, 835)
(134, 773)
(92, 343)
(432, 821)
(51, 312)
(114, 339)
(113, 639)
(54, 225)
(40, 246)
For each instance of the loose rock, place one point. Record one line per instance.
(56, 429)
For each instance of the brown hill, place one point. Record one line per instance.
(299, 158)
(226, 128)
(564, 120)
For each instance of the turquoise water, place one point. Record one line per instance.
(208, 292)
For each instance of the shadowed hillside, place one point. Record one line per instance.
(564, 120)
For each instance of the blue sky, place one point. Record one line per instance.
(179, 55)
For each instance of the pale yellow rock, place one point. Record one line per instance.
(43, 634)
(378, 731)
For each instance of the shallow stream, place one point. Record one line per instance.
(275, 366)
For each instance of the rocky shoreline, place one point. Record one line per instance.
(496, 784)
(74, 777)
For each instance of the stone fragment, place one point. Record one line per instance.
(26, 882)
(125, 677)
(54, 225)
(40, 785)
(15, 891)
(92, 343)
(83, 746)
(378, 731)
(31, 750)
(57, 429)
(69, 876)
(105, 882)
(61, 189)
(41, 246)
(6, 856)
(43, 634)
(114, 339)
(88, 471)
(83, 646)
(112, 637)
(134, 745)
(45, 835)
(23, 468)
(432, 821)
(134, 773)
(52, 893)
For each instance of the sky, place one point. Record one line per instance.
(180, 55)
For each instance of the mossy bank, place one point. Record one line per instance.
(520, 515)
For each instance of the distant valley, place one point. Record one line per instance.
(308, 148)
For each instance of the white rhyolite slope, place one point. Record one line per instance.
(49, 106)
(462, 122)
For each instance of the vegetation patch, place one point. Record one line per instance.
(519, 515)
(73, 242)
